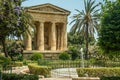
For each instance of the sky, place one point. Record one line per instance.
(70, 5)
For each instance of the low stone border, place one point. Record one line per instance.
(86, 78)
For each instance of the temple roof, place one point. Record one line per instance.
(47, 8)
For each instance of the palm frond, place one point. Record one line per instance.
(72, 21)
(96, 11)
(74, 27)
(92, 3)
(77, 10)
(93, 7)
(88, 6)
(85, 4)
(81, 23)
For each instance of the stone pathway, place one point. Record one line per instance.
(64, 72)
(18, 70)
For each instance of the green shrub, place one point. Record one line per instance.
(43, 62)
(110, 78)
(91, 62)
(13, 76)
(20, 57)
(15, 51)
(98, 72)
(74, 53)
(100, 63)
(112, 64)
(25, 62)
(64, 56)
(17, 64)
(4, 60)
(106, 63)
(36, 56)
(39, 70)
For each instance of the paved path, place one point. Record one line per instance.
(18, 70)
(64, 72)
(54, 77)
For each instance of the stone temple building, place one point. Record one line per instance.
(50, 35)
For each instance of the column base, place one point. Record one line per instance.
(28, 49)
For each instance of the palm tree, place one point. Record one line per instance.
(85, 21)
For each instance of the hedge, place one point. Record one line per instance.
(36, 56)
(104, 63)
(13, 76)
(110, 78)
(64, 56)
(99, 72)
(39, 70)
(17, 64)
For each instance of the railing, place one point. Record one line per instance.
(55, 64)
(0, 72)
(6, 68)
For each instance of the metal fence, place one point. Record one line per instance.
(67, 68)
(5, 68)
(55, 64)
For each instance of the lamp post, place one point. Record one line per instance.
(82, 58)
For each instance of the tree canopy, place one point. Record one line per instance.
(13, 20)
(109, 38)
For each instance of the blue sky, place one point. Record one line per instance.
(70, 5)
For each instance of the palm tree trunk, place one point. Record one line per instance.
(4, 47)
(86, 45)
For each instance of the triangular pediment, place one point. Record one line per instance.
(48, 8)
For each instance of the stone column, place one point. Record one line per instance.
(40, 37)
(65, 36)
(61, 39)
(28, 40)
(53, 36)
(35, 38)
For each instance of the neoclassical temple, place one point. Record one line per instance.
(50, 28)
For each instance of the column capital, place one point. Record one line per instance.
(53, 21)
